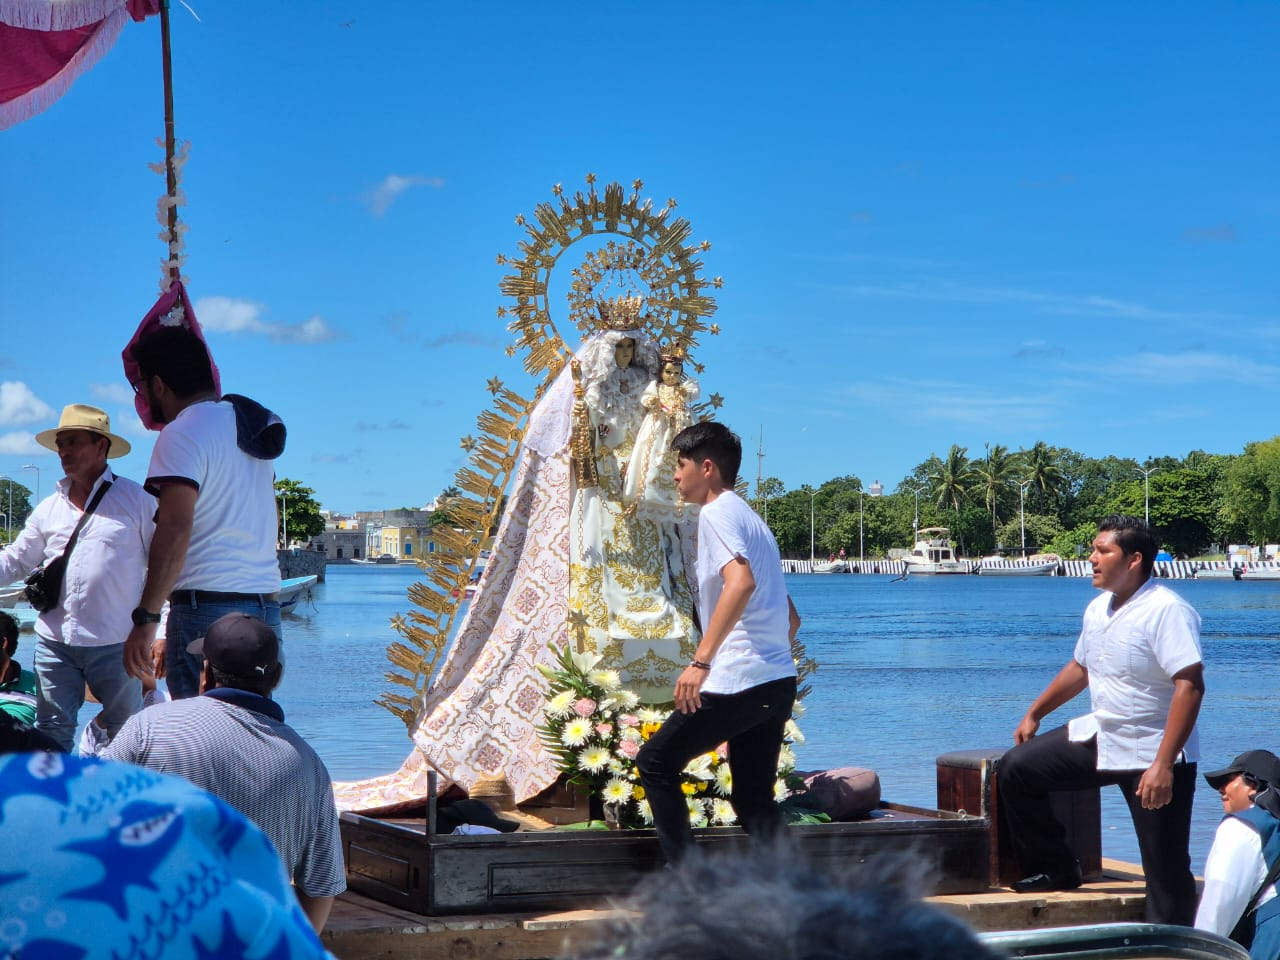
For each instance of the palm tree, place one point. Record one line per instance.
(1040, 466)
(994, 473)
(954, 478)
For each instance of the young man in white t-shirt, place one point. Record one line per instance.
(741, 684)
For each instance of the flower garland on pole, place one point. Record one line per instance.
(595, 728)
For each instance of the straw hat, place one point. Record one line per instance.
(81, 416)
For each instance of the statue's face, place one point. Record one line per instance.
(671, 373)
(624, 352)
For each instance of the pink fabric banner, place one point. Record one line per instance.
(46, 44)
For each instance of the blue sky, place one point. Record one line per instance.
(937, 223)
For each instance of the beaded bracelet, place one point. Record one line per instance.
(699, 665)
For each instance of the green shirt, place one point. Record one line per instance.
(18, 697)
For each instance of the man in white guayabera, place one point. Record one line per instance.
(1139, 656)
(81, 637)
(741, 684)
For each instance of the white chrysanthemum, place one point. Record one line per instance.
(797, 710)
(724, 780)
(792, 732)
(575, 732)
(697, 812)
(786, 759)
(627, 700)
(616, 791)
(645, 811)
(722, 813)
(561, 705)
(700, 767)
(650, 715)
(617, 767)
(780, 791)
(593, 759)
(607, 680)
(585, 661)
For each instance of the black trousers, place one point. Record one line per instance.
(1028, 772)
(752, 723)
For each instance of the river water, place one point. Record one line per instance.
(908, 670)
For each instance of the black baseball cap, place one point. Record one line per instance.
(239, 645)
(1261, 765)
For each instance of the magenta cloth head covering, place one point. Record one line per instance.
(173, 309)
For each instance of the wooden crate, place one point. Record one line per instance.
(967, 782)
(399, 863)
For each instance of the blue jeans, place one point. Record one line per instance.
(188, 622)
(61, 674)
(753, 723)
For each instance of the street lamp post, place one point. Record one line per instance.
(1146, 490)
(915, 522)
(284, 521)
(1022, 511)
(32, 466)
(874, 490)
(811, 557)
(8, 517)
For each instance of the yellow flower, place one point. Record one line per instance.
(647, 730)
(701, 787)
(638, 792)
(688, 789)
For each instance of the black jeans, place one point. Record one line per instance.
(1028, 772)
(752, 723)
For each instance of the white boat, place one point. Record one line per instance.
(1004, 567)
(13, 593)
(1245, 571)
(293, 590)
(830, 566)
(934, 553)
(26, 617)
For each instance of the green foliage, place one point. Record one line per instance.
(1041, 530)
(1251, 502)
(300, 510)
(12, 492)
(1074, 544)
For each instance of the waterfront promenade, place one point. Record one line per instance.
(1170, 569)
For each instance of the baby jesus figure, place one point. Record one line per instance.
(650, 480)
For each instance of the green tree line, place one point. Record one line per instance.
(1050, 497)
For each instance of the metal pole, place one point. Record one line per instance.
(32, 466)
(1146, 491)
(811, 558)
(284, 521)
(1022, 510)
(859, 531)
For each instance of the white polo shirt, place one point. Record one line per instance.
(1131, 655)
(757, 649)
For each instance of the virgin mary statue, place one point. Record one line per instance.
(571, 564)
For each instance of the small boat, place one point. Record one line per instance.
(293, 590)
(1004, 567)
(1246, 571)
(934, 553)
(831, 566)
(13, 593)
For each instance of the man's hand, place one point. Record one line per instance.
(689, 689)
(138, 651)
(1155, 788)
(157, 657)
(1026, 729)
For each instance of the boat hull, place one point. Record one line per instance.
(925, 568)
(1046, 569)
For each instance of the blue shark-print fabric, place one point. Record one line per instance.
(106, 860)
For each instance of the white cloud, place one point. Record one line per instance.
(19, 444)
(1191, 367)
(388, 191)
(111, 392)
(18, 405)
(230, 315)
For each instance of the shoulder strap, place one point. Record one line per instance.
(93, 505)
(1272, 876)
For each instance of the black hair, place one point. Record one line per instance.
(8, 634)
(178, 357)
(712, 441)
(262, 686)
(772, 903)
(1132, 536)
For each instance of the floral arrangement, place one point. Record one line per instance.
(595, 728)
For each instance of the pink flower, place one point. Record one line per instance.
(585, 707)
(604, 729)
(630, 748)
(629, 720)
(723, 751)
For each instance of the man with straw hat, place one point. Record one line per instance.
(90, 539)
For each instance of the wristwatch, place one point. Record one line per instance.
(142, 616)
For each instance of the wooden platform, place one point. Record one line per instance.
(363, 929)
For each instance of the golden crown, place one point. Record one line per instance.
(620, 313)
